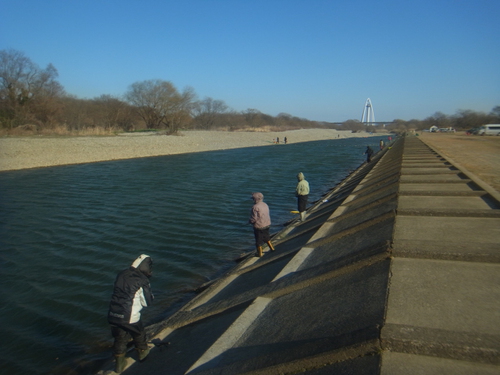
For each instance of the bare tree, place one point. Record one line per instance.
(160, 104)
(438, 119)
(110, 112)
(284, 119)
(47, 93)
(253, 117)
(27, 93)
(76, 114)
(182, 109)
(466, 119)
(495, 114)
(355, 125)
(207, 111)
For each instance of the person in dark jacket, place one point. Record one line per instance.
(131, 293)
(261, 222)
(368, 153)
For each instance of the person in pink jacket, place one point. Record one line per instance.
(261, 222)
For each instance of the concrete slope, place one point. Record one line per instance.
(443, 311)
(394, 271)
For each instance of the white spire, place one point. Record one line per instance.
(368, 116)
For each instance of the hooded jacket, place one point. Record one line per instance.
(259, 214)
(302, 186)
(131, 292)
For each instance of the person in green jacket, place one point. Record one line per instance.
(302, 193)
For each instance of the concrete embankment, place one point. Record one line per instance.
(395, 271)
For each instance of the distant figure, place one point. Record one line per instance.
(302, 193)
(261, 222)
(131, 293)
(285, 140)
(277, 139)
(368, 153)
(389, 138)
(381, 144)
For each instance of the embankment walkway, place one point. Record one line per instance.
(395, 271)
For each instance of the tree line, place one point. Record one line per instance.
(32, 99)
(461, 120)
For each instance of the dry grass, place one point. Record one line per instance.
(34, 130)
(480, 155)
(60, 130)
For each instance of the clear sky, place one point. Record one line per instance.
(316, 59)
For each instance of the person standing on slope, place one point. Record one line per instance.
(131, 293)
(261, 222)
(302, 194)
(368, 153)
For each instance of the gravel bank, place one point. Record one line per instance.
(33, 152)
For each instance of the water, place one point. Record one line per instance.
(66, 231)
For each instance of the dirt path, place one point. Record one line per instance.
(478, 154)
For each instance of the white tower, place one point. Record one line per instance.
(368, 116)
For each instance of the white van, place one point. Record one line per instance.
(489, 129)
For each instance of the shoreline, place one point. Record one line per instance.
(18, 153)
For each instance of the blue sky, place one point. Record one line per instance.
(316, 59)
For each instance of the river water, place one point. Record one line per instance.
(66, 231)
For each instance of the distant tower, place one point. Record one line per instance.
(368, 116)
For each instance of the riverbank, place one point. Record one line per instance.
(33, 152)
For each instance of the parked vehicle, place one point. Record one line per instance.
(472, 131)
(489, 129)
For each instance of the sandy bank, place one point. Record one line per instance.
(33, 152)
